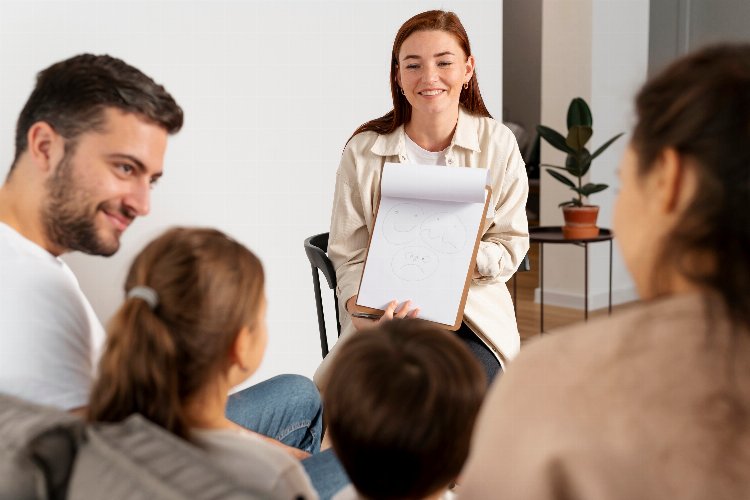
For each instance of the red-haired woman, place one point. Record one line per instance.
(438, 118)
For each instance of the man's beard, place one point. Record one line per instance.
(64, 215)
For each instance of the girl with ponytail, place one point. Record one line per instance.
(192, 326)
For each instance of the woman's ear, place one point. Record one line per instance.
(469, 69)
(675, 184)
(45, 146)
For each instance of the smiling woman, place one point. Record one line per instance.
(438, 118)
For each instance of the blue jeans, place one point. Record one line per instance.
(288, 408)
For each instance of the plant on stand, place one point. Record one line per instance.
(580, 218)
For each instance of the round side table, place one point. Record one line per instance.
(554, 235)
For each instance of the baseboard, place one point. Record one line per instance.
(597, 300)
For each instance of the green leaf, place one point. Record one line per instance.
(590, 188)
(585, 161)
(573, 165)
(547, 165)
(578, 136)
(605, 145)
(579, 114)
(562, 178)
(556, 140)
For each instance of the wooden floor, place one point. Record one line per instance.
(527, 312)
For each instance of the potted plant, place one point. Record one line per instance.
(580, 218)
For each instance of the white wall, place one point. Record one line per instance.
(271, 91)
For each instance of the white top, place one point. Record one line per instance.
(266, 469)
(50, 336)
(420, 156)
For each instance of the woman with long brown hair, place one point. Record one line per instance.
(191, 328)
(654, 402)
(438, 118)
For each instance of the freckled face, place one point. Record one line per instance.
(432, 69)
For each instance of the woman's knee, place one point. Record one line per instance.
(299, 391)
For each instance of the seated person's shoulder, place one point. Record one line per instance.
(257, 464)
(362, 143)
(49, 332)
(574, 352)
(42, 291)
(492, 129)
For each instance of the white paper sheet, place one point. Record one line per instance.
(428, 182)
(424, 238)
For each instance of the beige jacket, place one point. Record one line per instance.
(477, 143)
(649, 404)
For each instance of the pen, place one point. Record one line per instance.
(366, 315)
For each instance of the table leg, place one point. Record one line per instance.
(586, 282)
(541, 287)
(610, 277)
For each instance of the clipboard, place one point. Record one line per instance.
(425, 240)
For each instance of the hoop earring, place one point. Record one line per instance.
(466, 86)
(402, 91)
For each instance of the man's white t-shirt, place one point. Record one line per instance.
(50, 337)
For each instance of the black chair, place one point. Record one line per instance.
(316, 248)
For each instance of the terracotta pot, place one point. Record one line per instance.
(580, 222)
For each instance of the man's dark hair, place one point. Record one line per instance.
(401, 403)
(71, 97)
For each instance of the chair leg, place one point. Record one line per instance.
(336, 308)
(321, 315)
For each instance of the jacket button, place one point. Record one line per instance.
(450, 161)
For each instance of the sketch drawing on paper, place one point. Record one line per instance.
(420, 236)
(414, 263)
(402, 222)
(444, 233)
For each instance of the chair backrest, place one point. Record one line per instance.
(316, 248)
(38, 446)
